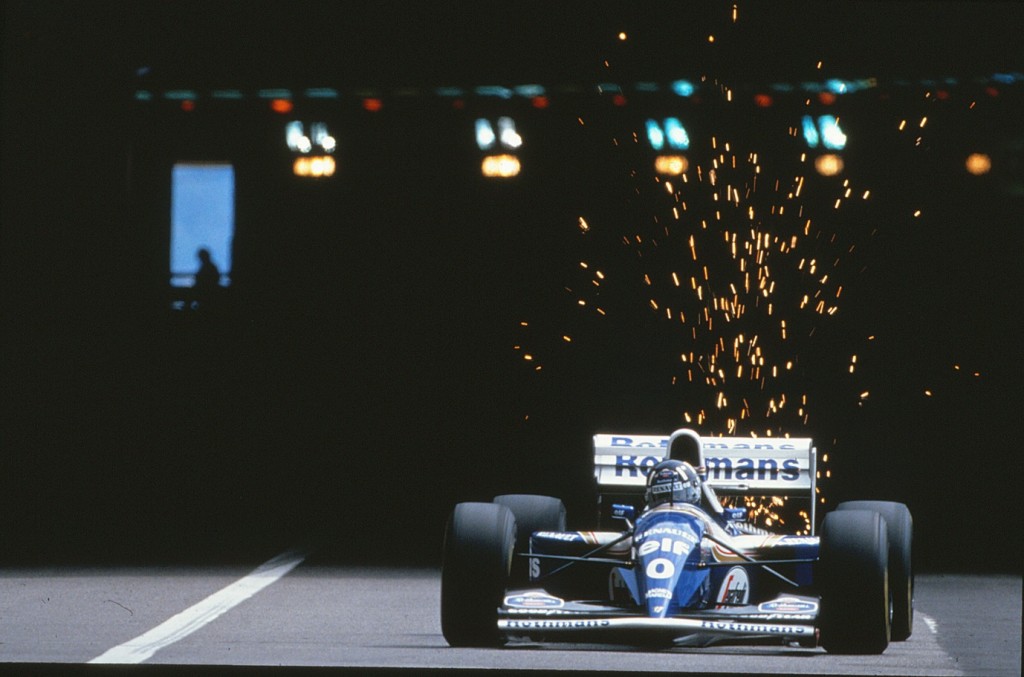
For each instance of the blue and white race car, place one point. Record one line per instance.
(683, 570)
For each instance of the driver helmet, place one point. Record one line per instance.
(672, 482)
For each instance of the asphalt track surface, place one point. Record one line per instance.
(304, 615)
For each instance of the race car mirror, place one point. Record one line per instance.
(735, 514)
(623, 512)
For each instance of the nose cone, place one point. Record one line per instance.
(668, 550)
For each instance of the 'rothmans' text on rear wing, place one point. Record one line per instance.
(736, 466)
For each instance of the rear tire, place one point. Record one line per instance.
(533, 513)
(900, 530)
(853, 581)
(478, 543)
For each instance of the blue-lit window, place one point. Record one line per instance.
(655, 135)
(825, 132)
(507, 135)
(810, 132)
(672, 132)
(485, 136)
(202, 217)
(683, 88)
(832, 137)
(319, 136)
(677, 136)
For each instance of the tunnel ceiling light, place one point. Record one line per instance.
(321, 93)
(530, 91)
(671, 132)
(676, 134)
(295, 137)
(506, 136)
(314, 166)
(832, 137)
(825, 132)
(683, 88)
(274, 94)
(978, 164)
(500, 166)
(230, 94)
(507, 133)
(655, 135)
(282, 106)
(485, 136)
(829, 164)
(810, 132)
(671, 165)
(494, 90)
(319, 136)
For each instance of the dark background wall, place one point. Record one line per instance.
(363, 374)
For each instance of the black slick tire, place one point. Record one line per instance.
(478, 543)
(900, 530)
(852, 578)
(533, 513)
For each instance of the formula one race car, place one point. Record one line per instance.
(685, 571)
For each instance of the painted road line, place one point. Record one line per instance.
(195, 617)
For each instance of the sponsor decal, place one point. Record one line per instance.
(534, 600)
(667, 487)
(789, 605)
(667, 531)
(754, 628)
(719, 468)
(673, 541)
(628, 442)
(557, 625)
(752, 469)
(659, 593)
(513, 611)
(534, 613)
(797, 540)
(632, 465)
(660, 568)
(568, 536)
(752, 445)
(664, 545)
(735, 590)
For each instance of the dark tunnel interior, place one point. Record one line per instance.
(408, 333)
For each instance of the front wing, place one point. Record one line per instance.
(537, 616)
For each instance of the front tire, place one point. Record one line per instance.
(900, 530)
(854, 582)
(533, 513)
(478, 543)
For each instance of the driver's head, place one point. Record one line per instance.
(672, 482)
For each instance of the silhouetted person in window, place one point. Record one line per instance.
(207, 287)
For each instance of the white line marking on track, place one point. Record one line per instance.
(188, 621)
(932, 624)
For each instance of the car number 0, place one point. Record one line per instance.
(660, 567)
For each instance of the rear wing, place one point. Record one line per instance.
(736, 466)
